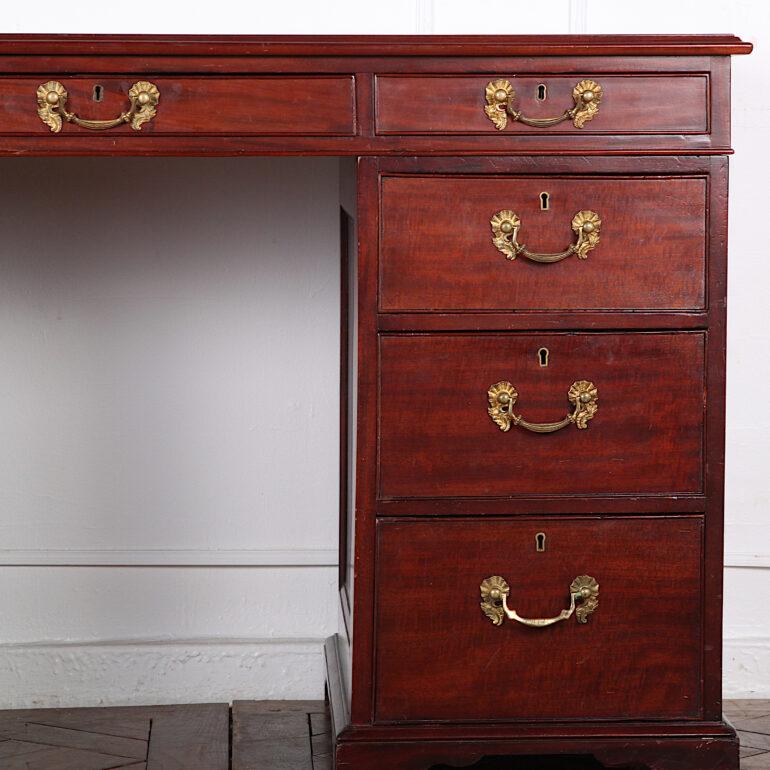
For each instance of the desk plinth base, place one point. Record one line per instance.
(589, 745)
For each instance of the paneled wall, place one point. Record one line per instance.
(168, 338)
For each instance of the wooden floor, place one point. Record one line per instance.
(751, 719)
(253, 735)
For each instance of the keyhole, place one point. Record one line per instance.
(98, 93)
(545, 201)
(540, 542)
(542, 92)
(542, 356)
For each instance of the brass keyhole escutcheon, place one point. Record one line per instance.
(540, 542)
(542, 356)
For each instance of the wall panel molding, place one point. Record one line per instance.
(578, 17)
(425, 17)
(747, 560)
(169, 557)
(218, 557)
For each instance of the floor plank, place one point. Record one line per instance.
(135, 738)
(274, 735)
(754, 740)
(82, 738)
(757, 762)
(190, 738)
(121, 722)
(54, 758)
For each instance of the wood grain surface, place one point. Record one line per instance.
(437, 440)
(637, 657)
(194, 737)
(449, 105)
(193, 105)
(437, 254)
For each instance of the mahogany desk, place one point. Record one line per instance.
(533, 341)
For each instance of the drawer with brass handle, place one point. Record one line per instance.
(450, 646)
(159, 104)
(511, 104)
(451, 243)
(502, 415)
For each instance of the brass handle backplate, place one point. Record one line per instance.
(502, 396)
(583, 593)
(505, 231)
(52, 107)
(499, 94)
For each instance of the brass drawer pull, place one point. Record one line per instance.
(583, 600)
(505, 230)
(52, 107)
(499, 95)
(502, 396)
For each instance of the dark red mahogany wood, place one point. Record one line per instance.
(195, 105)
(306, 125)
(417, 105)
(376, 45)
(650, 256)
(437, 312)
(448, 662)
(437, 440)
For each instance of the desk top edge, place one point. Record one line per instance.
(374, 45)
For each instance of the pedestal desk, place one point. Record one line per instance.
(533, 363)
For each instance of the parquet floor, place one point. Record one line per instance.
(751, 719)
(252, 735)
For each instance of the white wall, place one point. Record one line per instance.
(169, 401)
(217, 551)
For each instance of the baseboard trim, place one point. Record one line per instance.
(746, 667)
(152, 672)
(169, 557)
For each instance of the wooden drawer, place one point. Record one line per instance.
(637, 656)
(630, 104)
(437, 250)
(436, 438)
(192, 105)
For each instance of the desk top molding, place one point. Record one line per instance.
(363, 95)
(374, 45)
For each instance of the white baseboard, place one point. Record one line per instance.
(169, 557)
(747, 667)
(123, 673)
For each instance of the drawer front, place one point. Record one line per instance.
(438, 250)
(437, 438)
(190, 105)
(456, 104)
(637, 655)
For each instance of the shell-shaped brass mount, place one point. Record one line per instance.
(52, 107)
(495, 590)
(583, 395)
(499, 96)
(506, 224)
